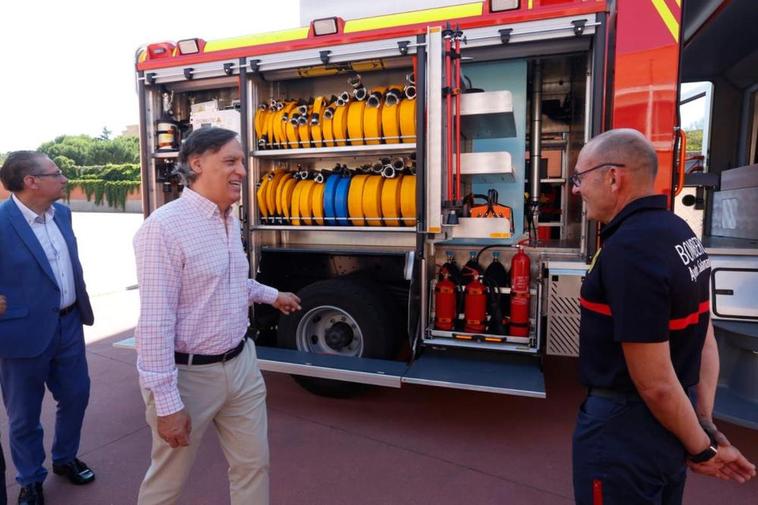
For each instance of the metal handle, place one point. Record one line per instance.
(682, 160)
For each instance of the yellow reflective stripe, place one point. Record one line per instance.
(678, 3)
(256, 40)
(668, 18)
(530, 5)
(410, 18)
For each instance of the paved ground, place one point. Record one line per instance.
(416, 445)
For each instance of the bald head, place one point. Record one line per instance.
(627, 146)
(614, 169)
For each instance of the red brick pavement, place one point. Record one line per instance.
(417, 445)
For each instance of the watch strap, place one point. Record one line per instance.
(705, 455)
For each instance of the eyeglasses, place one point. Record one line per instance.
(57, 173)
(576, 179)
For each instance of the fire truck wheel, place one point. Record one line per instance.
(341, 317)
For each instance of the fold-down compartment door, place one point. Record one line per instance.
(508, 374)
(379, 372)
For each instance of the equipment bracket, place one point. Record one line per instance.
(402, 45)
(505, 35)
(448, 31)
(579, 26)
(324, 55)
(254, 66)
(150, 78)
(188, 73)
(228, 68)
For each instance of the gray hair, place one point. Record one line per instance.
(185, 173)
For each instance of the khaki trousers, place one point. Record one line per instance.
(232, 395)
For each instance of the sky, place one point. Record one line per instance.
(67, 67)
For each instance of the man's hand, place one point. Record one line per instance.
(2, 305)
(728, 464)
(287, 303)
(175, 429)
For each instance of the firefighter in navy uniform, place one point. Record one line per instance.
(647, 351)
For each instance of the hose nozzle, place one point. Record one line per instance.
(392, 97)
(360, 93)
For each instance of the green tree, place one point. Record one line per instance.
(695, 141)
(75, 147)
(84, 150)
(106, 134)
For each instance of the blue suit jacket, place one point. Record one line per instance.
(29, 286)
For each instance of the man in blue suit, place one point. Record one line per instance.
(41, 337)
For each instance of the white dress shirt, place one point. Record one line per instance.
(194, 290)
(51, 239)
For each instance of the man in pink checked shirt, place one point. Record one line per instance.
(195, 365)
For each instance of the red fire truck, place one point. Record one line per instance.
(408, 177)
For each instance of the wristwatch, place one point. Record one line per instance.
(705, 455)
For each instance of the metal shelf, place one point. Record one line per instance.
(336, 152)
(165, 154)
(403, 229)
(445, 339)
(552, 181)
(479, 337)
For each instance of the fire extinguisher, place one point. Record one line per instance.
(475, 306)
(445, 303)
(519, 315)
(498, 303)
(520, 294)
(520, 272)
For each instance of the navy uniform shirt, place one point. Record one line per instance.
(647, 283)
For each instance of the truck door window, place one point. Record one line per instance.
(695, 101)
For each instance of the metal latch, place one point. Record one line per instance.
(188, 73)
(228, 68)
(505, 35)
(579, 26)
(324, 55)
(402, 45)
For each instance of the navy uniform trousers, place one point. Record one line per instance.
(62, 367)
(623, 455)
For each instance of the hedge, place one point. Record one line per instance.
(108, 183)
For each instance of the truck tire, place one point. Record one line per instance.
(345, 317)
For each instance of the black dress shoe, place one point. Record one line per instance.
(76, 471)
(31, 494)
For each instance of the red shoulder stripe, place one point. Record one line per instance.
(694, 318)
(600, 308)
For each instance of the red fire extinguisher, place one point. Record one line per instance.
(445, 303)
(519, 315)
(520, 294)
(520, 272)
(475, 306)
